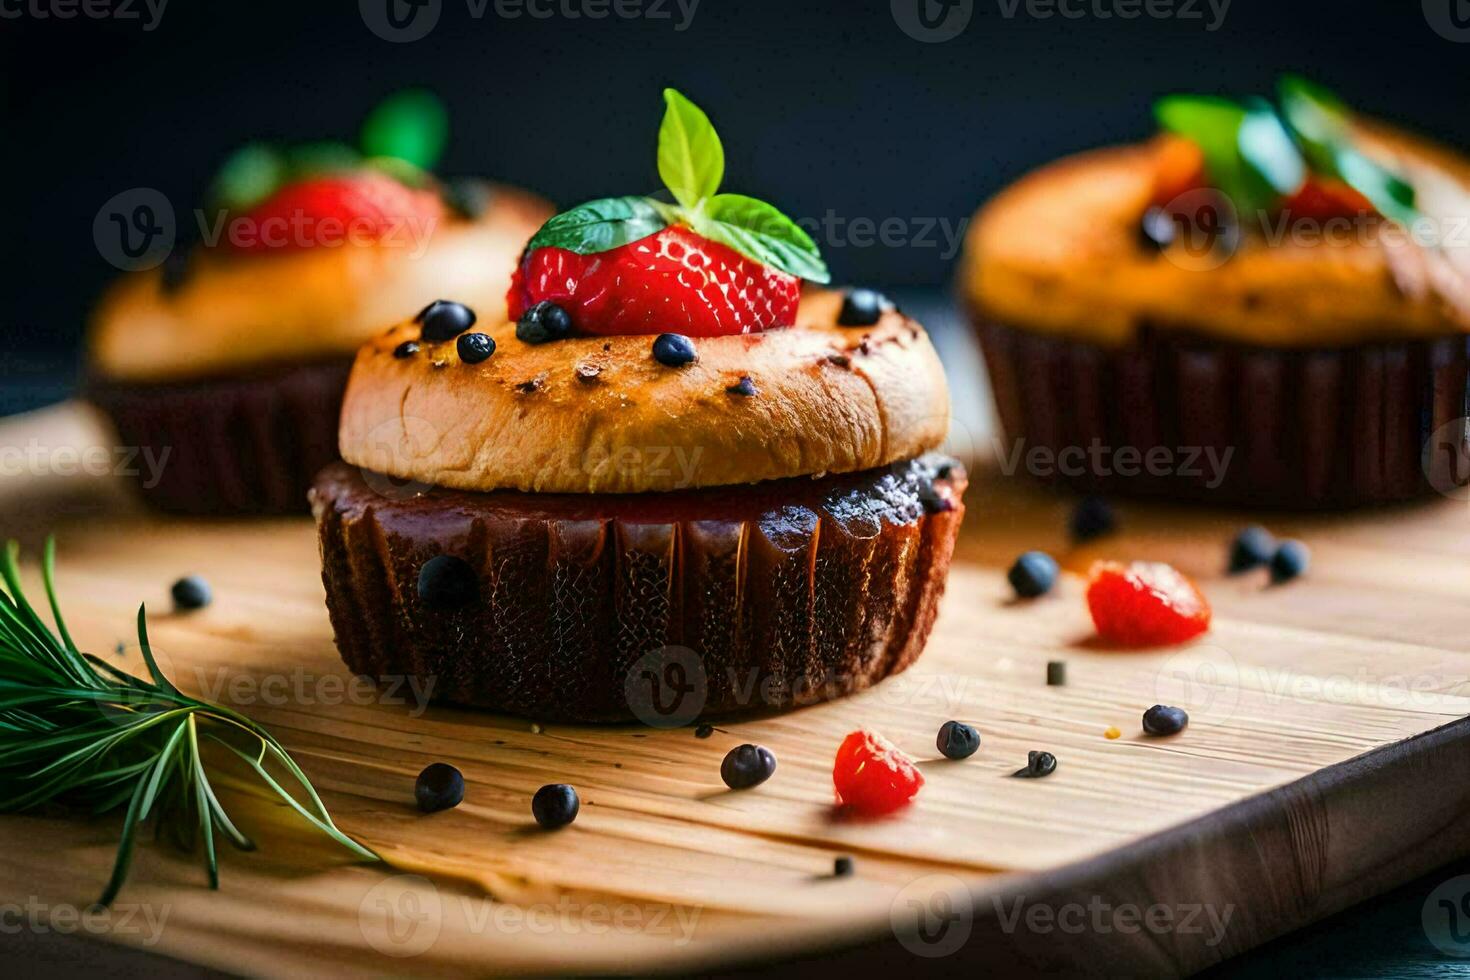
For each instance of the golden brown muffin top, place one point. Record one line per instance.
(238, 312)
(1060, 251)
(594, 414)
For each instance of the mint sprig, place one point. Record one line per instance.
(691, 163)
(403, 137)
(1255, 155)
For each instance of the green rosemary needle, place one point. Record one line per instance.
(79, 733)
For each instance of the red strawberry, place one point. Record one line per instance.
(331, 211)
(872, 776)
(1323, 198)
(670, 281)
(1145, 604)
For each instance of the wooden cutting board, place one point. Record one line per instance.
(1305, 781)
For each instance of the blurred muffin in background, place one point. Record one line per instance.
(1263, 306)
(232, 356)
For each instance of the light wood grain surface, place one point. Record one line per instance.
(665, 868)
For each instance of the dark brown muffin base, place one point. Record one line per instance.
(1303, 428)
(746, 598)
(248, 444)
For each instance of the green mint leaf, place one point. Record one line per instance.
(1322, 124)
(411, 125)
(691, 159)
(248, 176)
(760, 232)
(600, 225)
(1268, 150)
(1318, 119)
(1214, 125)
(321, 158)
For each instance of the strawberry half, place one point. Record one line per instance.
(336, 210)
(673, 280)
(1145, 604)
(872, 776)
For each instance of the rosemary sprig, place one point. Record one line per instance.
(77, 732)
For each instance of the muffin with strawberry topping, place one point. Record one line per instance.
(673, 466)
(1265, 305)
(231, 356)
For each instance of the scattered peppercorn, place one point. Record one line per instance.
(1056, 673)
(747, 765)
(862, 308)
(191, 592)
(445, 319)
(1092, 518)
(673, 350)
(704, 731)
(1033, 574)
(555, 805)
(1290, 560)
(744, 387)
(447, 582)
(1252, 548)
(544, 323)
(1112, 732)
(957, 740)
(439, 787)
(1038, 764)
(842, 867)
(1162, 719)
(406, 349)
(474, 347)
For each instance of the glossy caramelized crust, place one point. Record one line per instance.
(776, 595)
(1059, 252)
(600, 415)
(233, 313)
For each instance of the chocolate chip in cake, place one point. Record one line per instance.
(474, 347)
(447, 582)
(841, 360)
(673, 350)
(744, 387)
(445, 319)
(842, 867)
(406, 349)
(862, 308)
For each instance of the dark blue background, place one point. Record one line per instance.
(822, 106)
